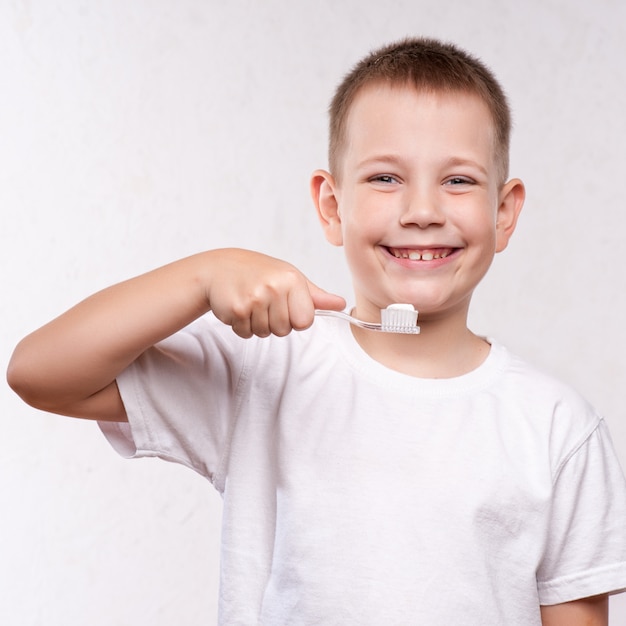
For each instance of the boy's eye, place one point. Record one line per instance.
(458, 180)
(386, 179)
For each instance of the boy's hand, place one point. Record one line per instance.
(260, 295)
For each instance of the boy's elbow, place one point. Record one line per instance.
(19, 380)
(22, 379)
(33, 383)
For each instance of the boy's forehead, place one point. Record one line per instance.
(379, 106)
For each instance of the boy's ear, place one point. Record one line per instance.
(511, 201)
(323, 192)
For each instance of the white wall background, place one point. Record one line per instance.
(134, 132)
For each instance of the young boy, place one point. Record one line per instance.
(499, 499)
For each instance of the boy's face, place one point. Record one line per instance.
(417, 205)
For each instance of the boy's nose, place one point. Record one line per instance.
(422, 210)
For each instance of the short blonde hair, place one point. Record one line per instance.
(426, 64)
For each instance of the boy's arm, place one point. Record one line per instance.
(69, 366)
(586, 612)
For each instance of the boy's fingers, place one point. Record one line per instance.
(303, 301)
(241, 327)
(325, 300)
(279, 322)
(281, 313)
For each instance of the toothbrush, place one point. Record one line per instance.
(396, 318)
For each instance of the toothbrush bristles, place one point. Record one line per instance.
(399, 318)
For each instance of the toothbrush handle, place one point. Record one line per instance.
(348, 318)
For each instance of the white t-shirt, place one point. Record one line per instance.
(357, 495)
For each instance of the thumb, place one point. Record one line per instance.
(325, 300)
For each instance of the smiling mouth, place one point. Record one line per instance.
(420, 255)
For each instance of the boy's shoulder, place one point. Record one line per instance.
(545, 398)
(531, 377)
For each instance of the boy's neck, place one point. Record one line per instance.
(439, 351)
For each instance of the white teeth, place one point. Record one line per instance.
(416, 255)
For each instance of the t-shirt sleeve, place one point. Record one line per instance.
(181, 398)
(586, 544)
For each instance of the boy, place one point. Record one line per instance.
(500, 498)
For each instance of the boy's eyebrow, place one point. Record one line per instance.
(394, 159)
(454, 161)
